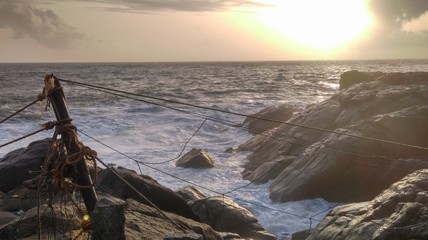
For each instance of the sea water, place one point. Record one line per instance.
(127, 130)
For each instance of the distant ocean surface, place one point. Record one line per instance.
(154, 133)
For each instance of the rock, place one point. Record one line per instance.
(15, 166)
(258, 123)
(399, 212)
(269, 170)
(162, 197)
(6, 217)
(108, 219)
(224, 215)
(229, 150)
(331, 176)
(142, 222)
(350, 78)
(340, 167)
(51, 217)
(302, 235)
(195, 158)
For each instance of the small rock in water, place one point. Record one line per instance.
(195, 158)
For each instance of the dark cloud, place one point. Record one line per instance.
(390, 16)
(394, 13)
(24, 19)
(147, 6)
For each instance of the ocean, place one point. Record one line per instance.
(125, 130)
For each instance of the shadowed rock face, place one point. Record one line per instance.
(392, 107)
(257, 123)
(15, 166)
(399, 212)
(164, 198)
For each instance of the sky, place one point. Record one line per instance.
(211, 30)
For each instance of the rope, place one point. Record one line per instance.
(248, 116)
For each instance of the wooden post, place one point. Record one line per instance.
(72, 144)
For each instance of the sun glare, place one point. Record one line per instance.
(314, 23)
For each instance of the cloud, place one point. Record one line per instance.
(25, 19)
(390, 17)
(146, 6)
(394, 13)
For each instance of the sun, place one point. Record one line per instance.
(316, 23)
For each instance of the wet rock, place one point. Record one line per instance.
(195, 158)
(164, 198)
(108, 219)
(339, 167)
(259, 122)
(16, 166)
(399, 212)
(224, 215)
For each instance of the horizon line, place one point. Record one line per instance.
(213, 61)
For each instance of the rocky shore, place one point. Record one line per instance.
(186, 214)
(365, 148)
(350, 148)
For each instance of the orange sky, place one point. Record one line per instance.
(215, 30)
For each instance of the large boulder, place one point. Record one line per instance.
(350, 78)
(164, 198)
(345, 168)
(18, 165)
(399, 212)
(224, 215)
(268, 118)
(337, 156)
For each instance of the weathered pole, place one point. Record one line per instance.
(72, 144)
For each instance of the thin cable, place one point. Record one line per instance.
(195, 184)
(231, 124)
(20, 110)
(112, 170)
(46, 126)
(248, 116)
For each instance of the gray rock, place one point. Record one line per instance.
(142, 222)
(108, 219)
(269, 170)
(399, 212)
(51, 217)
(224, 215)
(257, 122)
(195, 158)
(350, 78)
(337, 167)
(15, 166)
(164, 198)
(6, 217)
